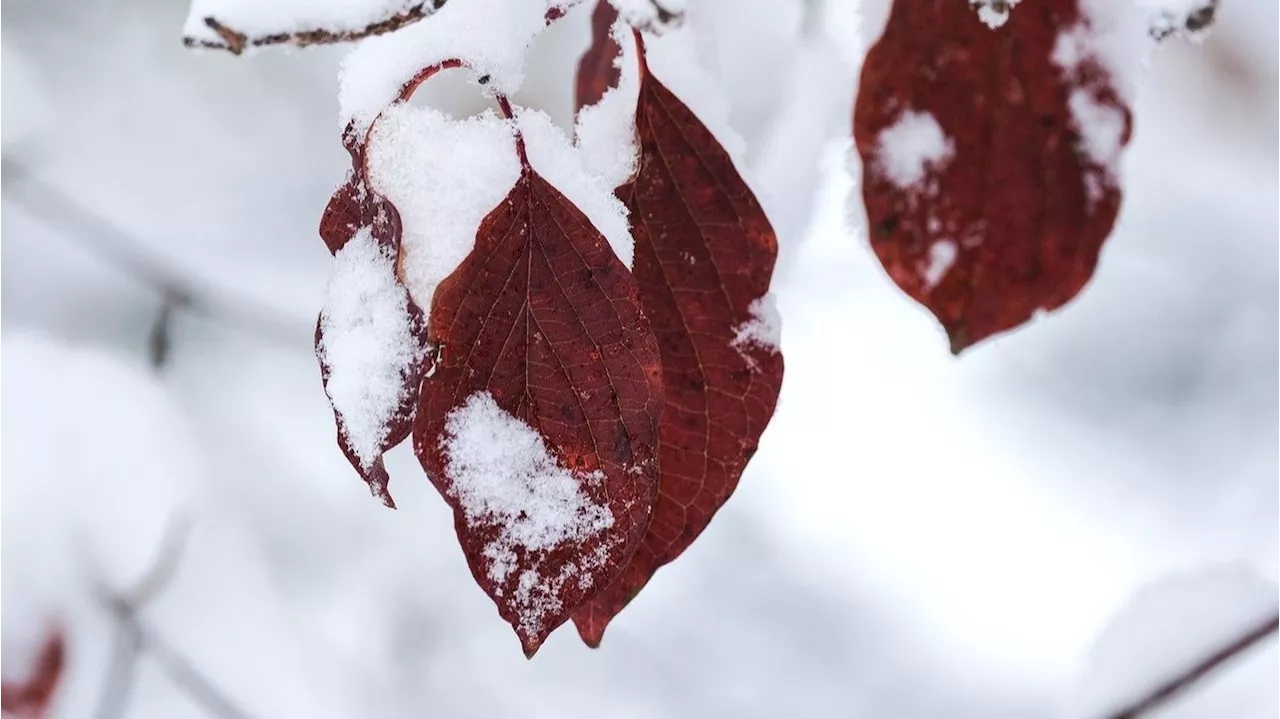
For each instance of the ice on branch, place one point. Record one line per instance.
(912, 146)
(236, 25)
(489, 36)
(503, 476)
(367, 344)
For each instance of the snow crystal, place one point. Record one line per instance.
(502, 474)
(993, 13)
(912, 145)
(606, 131)
(366, 343)
(764, 329)
(1168, 627)
(942, 255)
(444, 176)
(489, 36)
(256, 18)
(563, 165)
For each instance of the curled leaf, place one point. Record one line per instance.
(597, 71)
(989, 160)
(539, 423)
(704, 257)
(31, 697)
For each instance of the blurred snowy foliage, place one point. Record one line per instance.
(917, 537)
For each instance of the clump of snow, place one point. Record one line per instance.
(1179, 17)
(911, 146)
(564, 166)
(366, 343)
(606, 131)
(503, 475)
(256, 18)
(764, 329)
(993, 13)
(1168, 627)
(444, 176)
(489, 36)
(1101, 127)
(942, 256)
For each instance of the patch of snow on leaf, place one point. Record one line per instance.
(366, 343)
(444, 176)
(911, 146)
(942, 255)
(764, 329)
(563, 165)
(1166, 628)
(503, 475)
(1101, 127)
(993, 13)
(489, 36)
(606, 131)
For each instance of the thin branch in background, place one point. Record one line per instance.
(134, 641)
(1193, 674)
(73, 220)
(236, 41)
(159, 339)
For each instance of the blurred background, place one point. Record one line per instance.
(919, 535)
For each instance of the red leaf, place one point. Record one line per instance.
(543, 349)
(353, 208)
(1011, 217)
(30, 698)
(703, 260)
(596, 70)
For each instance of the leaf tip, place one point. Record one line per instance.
(591, 631)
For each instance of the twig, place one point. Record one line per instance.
(71, 219)
(1200, 670)
(235, 41)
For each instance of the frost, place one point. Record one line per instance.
(260, 18)
(942, 255)
(444, 176)
(489, 36)
(911, 146)
(561, 164)
(764, 329)
(366, 343)
(503, 475)
(1169, 626)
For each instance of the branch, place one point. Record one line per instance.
(235, 41)
(1200, 670)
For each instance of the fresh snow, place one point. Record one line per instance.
(259, 18)
(503, 475)
(993, 13)
(489, 36)
(942, 255)
(644, 13)
(366, 342)
(444, 176)
(911, 146)
(605, 133)
(764, 329)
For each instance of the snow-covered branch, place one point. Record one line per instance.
(235, 25)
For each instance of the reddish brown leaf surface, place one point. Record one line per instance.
(704, 256)
(596, 70)
(1020, 205)
(544, 318)
(31, 697)
(353, 207)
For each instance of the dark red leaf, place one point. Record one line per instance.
(596, 70)
(353, 207)
(704, 257)
(1012, 222)
(30, 698)
(542, 320)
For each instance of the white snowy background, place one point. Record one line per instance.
(919, 536)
